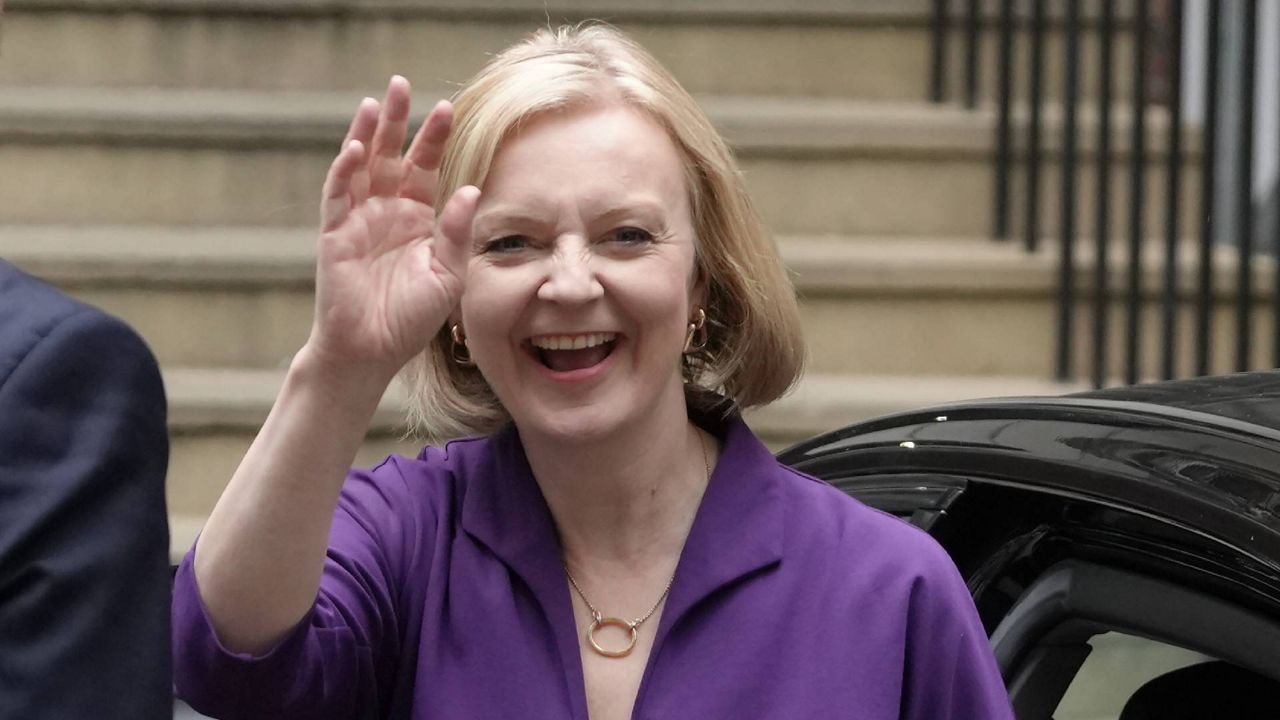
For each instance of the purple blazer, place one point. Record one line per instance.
(443, 596)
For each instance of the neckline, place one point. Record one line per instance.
(737, 531)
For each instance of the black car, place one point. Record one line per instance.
(1148, 513)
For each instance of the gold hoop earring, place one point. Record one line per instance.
(697, 327)
(460, 353)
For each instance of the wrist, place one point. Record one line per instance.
(353, 385)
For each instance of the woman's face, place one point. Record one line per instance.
(581, 282)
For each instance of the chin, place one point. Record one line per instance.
(573, 425)
(600, 414)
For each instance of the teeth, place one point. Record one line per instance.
(572, 342)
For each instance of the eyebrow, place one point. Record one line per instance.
(505, 216)
(521, 217)
(651, 210)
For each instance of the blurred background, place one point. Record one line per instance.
(974, 197)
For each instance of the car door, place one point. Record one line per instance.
(1056, 577)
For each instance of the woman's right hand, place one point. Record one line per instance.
(390, 269)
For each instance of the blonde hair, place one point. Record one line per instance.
(754, 352)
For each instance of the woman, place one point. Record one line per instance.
(612, 541)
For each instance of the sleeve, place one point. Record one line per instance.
(84, 543)
(951, 673)
(341, 660)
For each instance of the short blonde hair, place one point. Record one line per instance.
(754, 352)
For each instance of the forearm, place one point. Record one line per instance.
(260, 556)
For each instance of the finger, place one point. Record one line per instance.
(335, 202)
(421, 167)
(453, 231)
(360, 180)
(363, 124)
(388, 139)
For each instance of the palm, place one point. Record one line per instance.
(388, 274)
(372, 294)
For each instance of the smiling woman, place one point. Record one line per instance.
(593, 306)
(605, 116)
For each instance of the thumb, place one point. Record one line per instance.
(453, 231)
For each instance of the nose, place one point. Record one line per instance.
(571, 277)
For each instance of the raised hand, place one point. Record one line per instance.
(389, 271)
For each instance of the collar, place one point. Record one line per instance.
(737, 531)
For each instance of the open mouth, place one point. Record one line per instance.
(566, 353)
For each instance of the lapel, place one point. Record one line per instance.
(504, 510)
(738, 529)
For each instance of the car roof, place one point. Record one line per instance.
(1203, 454)
(1249, 397)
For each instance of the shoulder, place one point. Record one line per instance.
(29, 305)
(433, 482)
(405, 509)
(43, 326)
(828, 527)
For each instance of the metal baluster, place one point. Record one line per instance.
(938, 49)
(1275, 291)
(1066, 264)
(1137, 190)
(1243, 191)
(1208, 180)
(1004, 68)
(1102, 220)
(972, 21)
(1173, 185)
(1032, 227)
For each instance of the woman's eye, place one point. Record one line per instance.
(632, 236)
(510, 243)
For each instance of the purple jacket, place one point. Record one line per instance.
(443, 596)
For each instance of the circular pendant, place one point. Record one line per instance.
(618, 623)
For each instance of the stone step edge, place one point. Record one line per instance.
(820, 403)
(204, 400)
(212, 399)
(873, 12)
(864, 12)
(763, 125)
(141, 256)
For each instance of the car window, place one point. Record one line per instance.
(1117, 667)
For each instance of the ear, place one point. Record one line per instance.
(699, 291)
(455, 316)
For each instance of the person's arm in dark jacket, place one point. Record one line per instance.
(84, 579)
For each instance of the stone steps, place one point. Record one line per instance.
(242, 297)
(815, 166)
(215, 413)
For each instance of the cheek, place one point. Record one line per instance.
(488, 308)
(660, 305)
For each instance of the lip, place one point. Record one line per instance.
(573, 377)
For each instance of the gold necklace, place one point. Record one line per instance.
(599, 621)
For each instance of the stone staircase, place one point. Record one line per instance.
(162, 159)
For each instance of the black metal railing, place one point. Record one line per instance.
(1159, 34)
(1102, 207)
(1208, 183)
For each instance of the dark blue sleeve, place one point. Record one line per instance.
(84, 576)
(951, 673)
